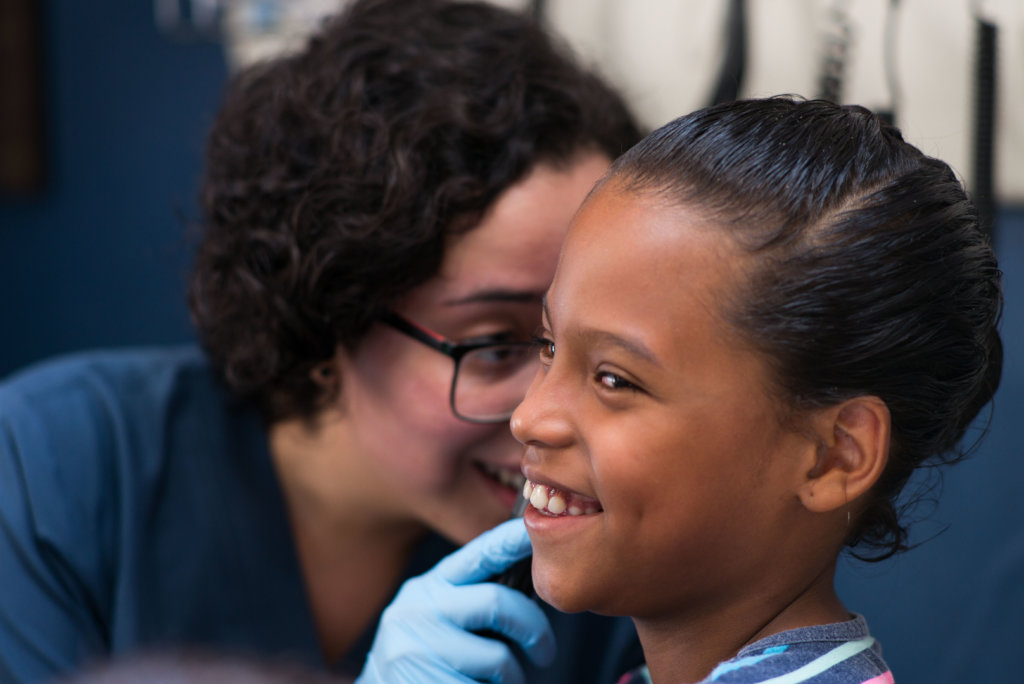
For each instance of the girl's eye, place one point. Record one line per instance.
(614, 382)
(546, 348)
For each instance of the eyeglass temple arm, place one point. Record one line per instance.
(427, 337)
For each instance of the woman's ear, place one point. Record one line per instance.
(327, 375)
(853, 439)
(323, 373)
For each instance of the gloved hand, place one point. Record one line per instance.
(426, 634)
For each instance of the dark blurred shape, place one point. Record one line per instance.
(984, 123)
(21, 109)
(730, 77)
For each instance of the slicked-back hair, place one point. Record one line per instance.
(871, 277)
(336, 177)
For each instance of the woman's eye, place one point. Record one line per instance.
(508, 336)
(614, 382)
(499, 354)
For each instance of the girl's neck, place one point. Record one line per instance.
(686, 649)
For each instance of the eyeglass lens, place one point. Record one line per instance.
(491, 381)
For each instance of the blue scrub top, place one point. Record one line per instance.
(139, 509)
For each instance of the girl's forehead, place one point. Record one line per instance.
(621, 225)
(629, 251)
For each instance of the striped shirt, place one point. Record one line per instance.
(839, 653)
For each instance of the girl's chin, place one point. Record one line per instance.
(563, 595)
(581, 590)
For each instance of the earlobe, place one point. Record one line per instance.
(853, 450)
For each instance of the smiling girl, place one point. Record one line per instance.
(764, 318)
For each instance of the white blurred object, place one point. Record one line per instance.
(664, 55)
(251, 30)
(188, 18)
(255, 30)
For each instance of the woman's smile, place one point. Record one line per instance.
(504, 483)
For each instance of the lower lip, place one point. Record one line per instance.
(506, 495)
(555, 524)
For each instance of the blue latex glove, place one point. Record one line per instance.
(426, 634)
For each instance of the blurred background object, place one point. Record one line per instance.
(915, 59)
(21, 107)
(104, 109)
(250, 30)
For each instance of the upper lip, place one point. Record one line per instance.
(538, 479)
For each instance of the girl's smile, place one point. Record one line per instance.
(555, 501)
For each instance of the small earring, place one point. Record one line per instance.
(847, 517)
(322, 373)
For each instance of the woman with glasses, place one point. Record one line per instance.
(382, 213)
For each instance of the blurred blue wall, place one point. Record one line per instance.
(99, 258)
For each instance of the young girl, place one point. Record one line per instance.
(763, 320)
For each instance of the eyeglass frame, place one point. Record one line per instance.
(450, 348)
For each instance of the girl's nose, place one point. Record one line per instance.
(543, 417)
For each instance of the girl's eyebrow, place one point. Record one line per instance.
(630, 346)
(597, 336)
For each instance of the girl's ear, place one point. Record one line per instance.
(853, 439)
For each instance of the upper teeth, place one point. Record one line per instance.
(556, 502)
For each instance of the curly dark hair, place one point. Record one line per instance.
(335, 176)
(873, 275)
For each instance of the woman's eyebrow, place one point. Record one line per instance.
(495, 295)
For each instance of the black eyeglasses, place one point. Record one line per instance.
(491, 376)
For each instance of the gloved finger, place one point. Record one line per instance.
(481, 658)
(428, 608)
(498, 608)
(487, 555)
